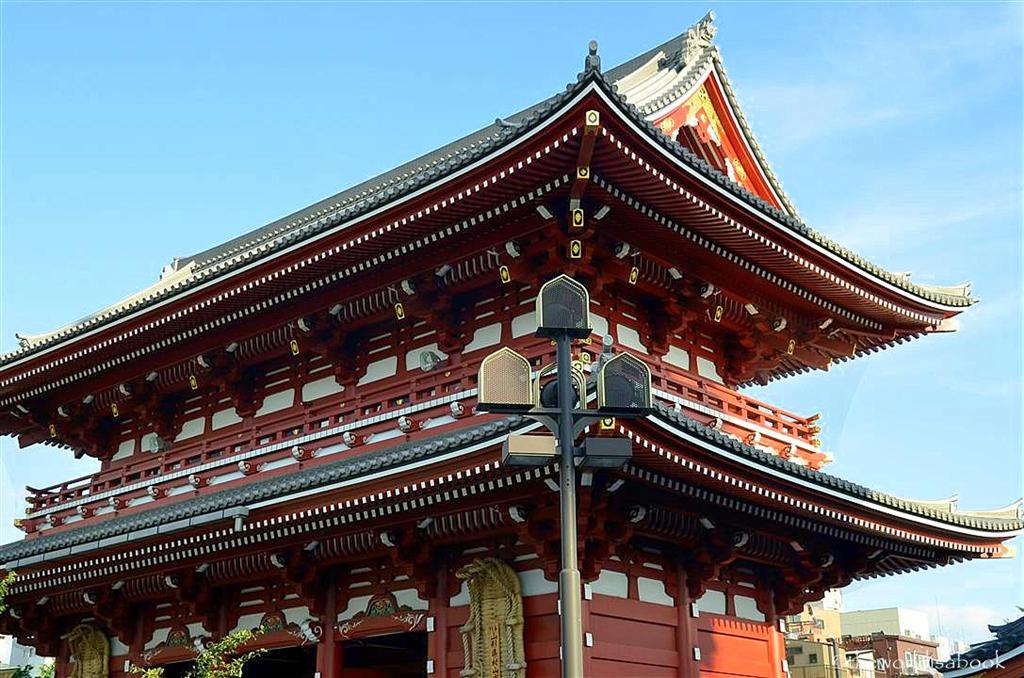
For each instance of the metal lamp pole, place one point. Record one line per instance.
(624, 389)
(569, 577)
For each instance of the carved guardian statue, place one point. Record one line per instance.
(492, 638)
(90, 651)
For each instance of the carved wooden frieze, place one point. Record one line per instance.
(492, 638)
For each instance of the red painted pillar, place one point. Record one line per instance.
(439, 610)
(686, 628)
(328, 650)
(776, 643)
(62, 668)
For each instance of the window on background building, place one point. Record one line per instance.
(812, 658)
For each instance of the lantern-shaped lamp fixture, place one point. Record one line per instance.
(624, 386)
(503, 383)
(563, 309)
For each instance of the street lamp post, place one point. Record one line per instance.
(624, 389)
(569, 576)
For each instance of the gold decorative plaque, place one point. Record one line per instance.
(492, 638)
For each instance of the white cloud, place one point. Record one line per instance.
(881, 73)
(900, 223)
(963, 622)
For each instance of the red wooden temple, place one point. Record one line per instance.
(288, 437)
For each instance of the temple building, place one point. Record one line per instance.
(289, 440)
(999, 657)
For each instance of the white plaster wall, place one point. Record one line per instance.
(524, 324)
(534, 583)
(321, 388)
(159, 636)
(192, 428)
(275, 402)
(124, 450)
(653, 591)
(248, 621)
(678, 357)
(629, 338)
(611, 583)
(460, 598)
(746, 608)
(489, 335)
(296, 615)
(707, 369)
(412, 358)
(356, 604)
(712, 602)
(410, 598)
(380, 369)
(224, 418)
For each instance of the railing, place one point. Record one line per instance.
(745, 418)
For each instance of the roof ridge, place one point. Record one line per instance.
(924, 509)
(313, 477)
(411, 176)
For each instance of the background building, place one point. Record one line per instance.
(1002, 656)
(895, 656)
(13, 655)
(892, 621)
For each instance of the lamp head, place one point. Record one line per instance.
(624, 386)
(563, 309)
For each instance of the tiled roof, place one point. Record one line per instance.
(407, 178)
(493, 430)
(979, 520)
(260, 490)
(1008, 637)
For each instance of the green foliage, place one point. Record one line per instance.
(218, 660)
(5, 586)
(44, 671)
(156, 672)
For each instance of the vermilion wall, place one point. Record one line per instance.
(636, 639)
(735, 647)
(632, 638)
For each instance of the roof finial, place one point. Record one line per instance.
(593, 62)
(699, 37)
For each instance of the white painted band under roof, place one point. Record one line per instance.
(552, 116)
(288, 294)
(232, 460)
(551, 119)
(33, 580)
(392, 471)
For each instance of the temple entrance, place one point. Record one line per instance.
(397, 655)
(293, 662)
(177, 670)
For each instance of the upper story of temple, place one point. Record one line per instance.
(358, 323)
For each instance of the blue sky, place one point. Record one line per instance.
(136, 132)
